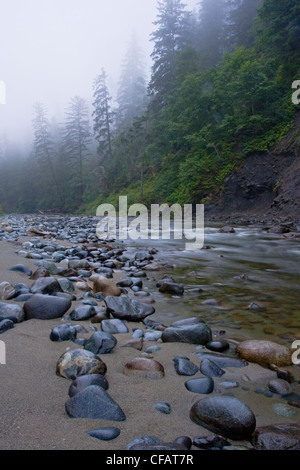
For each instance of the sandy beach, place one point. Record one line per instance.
(33, 397)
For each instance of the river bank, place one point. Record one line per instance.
(33, 396)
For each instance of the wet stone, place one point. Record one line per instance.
(45, 307)
(63, 333)
(152, 349)
(224, 415)
(213, 442)
(277, 437)
(66, 285)
(94, 402)
(210, 369)
(171, 288)
(152, 335)
(218, 345)
(85, 381)
(86, 312)
(143, 440)
(145, 368)
(138, 333)
(135, 343)
(77, 362)
(221, 360)
(50, 267)
(11, 312)
(265, 353)
(280, 387)
(203, 385)
(46, 286)
(184, 366)
(227, 229)
(166, 279)
(21, 289)
(101, 343)
(23, 297)
(193, 334)
(125, 283)
(162, 407)
(114, 326)
(78, 264)
(124, 308)
(184, 441)
(228, 385)
(105, 434)
(6, 325)
(21, 269)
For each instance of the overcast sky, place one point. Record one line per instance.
(51, 50)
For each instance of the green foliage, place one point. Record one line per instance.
(220, 90)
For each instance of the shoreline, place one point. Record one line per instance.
(33, 397)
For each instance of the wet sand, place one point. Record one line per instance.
(33, 397)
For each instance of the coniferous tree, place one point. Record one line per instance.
(212, 30)
(168, 39)
(77, 138)
(44, 150)
(103, 121)
(279, 32)
(132, 93)
(240, 22)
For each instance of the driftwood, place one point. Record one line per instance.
(36, 231)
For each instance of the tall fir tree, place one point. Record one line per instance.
(132, 92)
(240, 22)
(168, 40)
(103, 121)
(77, 138)
(45, 153)
(212, 31)
(278, 29)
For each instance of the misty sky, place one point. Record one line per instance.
(51, 50)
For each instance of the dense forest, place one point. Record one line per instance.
(220, 89)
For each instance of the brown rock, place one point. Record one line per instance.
(265, 353)
(99, 317)
(146, 368)
(134, 343)
(41, 272)
(106, 286)
(277, 437)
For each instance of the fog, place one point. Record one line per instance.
(51, 50)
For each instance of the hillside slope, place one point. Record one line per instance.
(266, 187)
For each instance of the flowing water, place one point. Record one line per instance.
(252, 274)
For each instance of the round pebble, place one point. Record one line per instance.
(105, 434)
